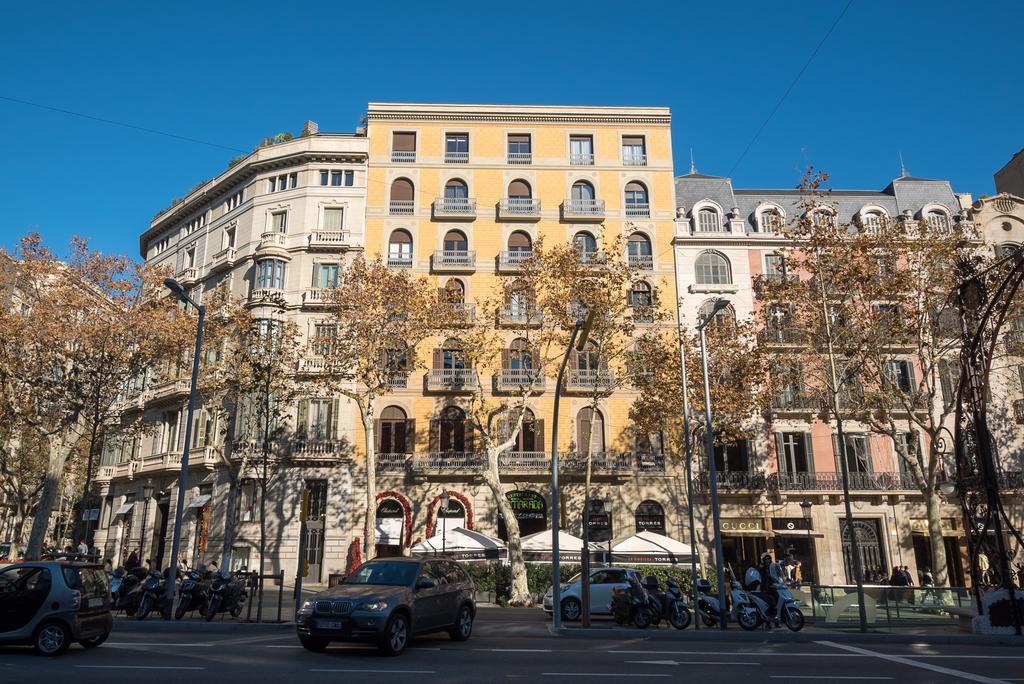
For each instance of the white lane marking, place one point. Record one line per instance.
(753, 653)
(913, 663)
(165, 643)
(338, 669)
(139, 667)
(516, 650)
(601, 674)
(823, 677)
(687, 662)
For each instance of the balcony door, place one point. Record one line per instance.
(589, 432)
(315, 522)
(452, 430)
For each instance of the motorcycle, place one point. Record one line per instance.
(632, 605)
(743, 612)
(191, 594)
(153, 595)
(668, 605)
(776, 605)
(125, 588)
(227, 594)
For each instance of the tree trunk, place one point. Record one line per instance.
(229, 524)
(940, 570)
(520, 587)
(370, 523)
(59, 450)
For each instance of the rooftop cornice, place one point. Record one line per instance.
(392, 111)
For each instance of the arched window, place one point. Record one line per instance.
(650, 517)
(708, 221)
(455, 241)
(520, 355)
(587, 360)
(823, 217)
(636, 200)
(395, 435)
(640, 252)
(519, 189)
(640, 296)
(585, 244)
(521, 300)
(873, 220)
(400, 248)
(529, 439)
(589, 431)
(456, 188)
(724, 318)
(452, 429)
(519, 243)
(453, 356)
(770, 220)
(402, 196)
(454, 291)
(938, 219)
(582, 192)
(713, 269)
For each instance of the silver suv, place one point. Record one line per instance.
(49, 604)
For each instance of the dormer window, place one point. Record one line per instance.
(770, 220)
(709, 221)
(939, 220)
(823, 218)
(873, 221)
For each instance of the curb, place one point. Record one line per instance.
(178, 627)
(775, 636)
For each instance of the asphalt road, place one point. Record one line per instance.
(505, 651)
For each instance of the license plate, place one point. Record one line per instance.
(95, 602)
(329, 624)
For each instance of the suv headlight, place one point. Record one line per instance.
(307, 608)
(373, 606)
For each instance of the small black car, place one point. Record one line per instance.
(387, 601)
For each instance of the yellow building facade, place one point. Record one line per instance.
(459, 193)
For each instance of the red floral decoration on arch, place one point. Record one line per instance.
(407, 505)
(431, 510)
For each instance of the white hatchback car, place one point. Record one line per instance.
(602, 581)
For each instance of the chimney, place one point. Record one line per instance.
(310, 128)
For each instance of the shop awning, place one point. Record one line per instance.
(537, 547)
(748, 533)
(650, 548)
(124, 508)
(462, 544)
(200, 501)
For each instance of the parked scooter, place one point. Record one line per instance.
(667, 605)
(742, 611)
(153, 595)
(227, 594)
(775, 604)
(125, 588)
(632, 605)
(192, 594)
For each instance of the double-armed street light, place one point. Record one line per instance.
(443, 512)
(178, 291)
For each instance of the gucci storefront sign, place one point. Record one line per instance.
(742, 524)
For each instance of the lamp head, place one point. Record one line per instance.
(445, 498)
(947, 488)
(719, 304)
(147, 489)
(175, 287)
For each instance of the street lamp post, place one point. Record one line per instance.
(175, 287)
(147, 494)
(580, 329)
(444, 521)
(709, 452)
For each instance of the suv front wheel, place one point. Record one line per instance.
(314, 644)
(52, 638)
(396, 635)
(463, 625)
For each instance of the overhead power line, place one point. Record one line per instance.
(120, 123)
(790, 88)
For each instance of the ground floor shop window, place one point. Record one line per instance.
(923, 558)
(390, 527)
(650, 517)
(240, 559)
(797, 553)
(742, 552)
(600, 521)
(245, 510)
(530, 509)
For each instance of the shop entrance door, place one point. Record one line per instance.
(742, 552)
(802, 550)
(923, 558)
(868, 541)
(315, 515)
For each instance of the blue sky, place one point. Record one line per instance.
(940, 81)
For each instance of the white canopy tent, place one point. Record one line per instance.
(650, 548)
(459, 543)
(537, 547)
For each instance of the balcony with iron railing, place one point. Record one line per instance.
(519, 379)
(833, 482)
(510, 261)
(1014, 341)
(520, 158)
(583, 209)
(644, 315)
(452, 379)
(594, 258)
(401, 207)
(581, 159)
(453, 260)
(451, 157)
(634, 159)
(733, 481)
(446, 462)
(602, 463)
(460, 313)
(789, 336)
(400, 261)
(796, 401)
(520, 315)
(519, 208)
(329, 239)
(585, 380)
(455, 208)
(643, 262)
(403, 156)
(225, 258)
(318, 449)
(398, 380)
(392, 463)
(638, 209)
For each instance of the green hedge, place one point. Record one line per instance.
(497, 577)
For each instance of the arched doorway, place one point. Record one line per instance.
(869, 540)
(390, 527)
(650, 517)
(530, 509)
